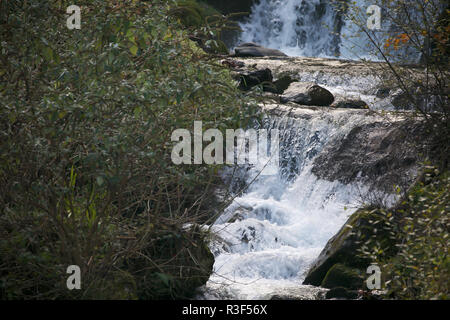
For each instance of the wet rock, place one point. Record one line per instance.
(280, 85)
(307, 94)
(250, 79)
(299, 293)
(240, 214)
(383, 93)
(351, 104)
(251, 49)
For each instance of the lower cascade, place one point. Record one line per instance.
(267, 238)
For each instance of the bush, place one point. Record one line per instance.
(419, 227)
(86, 176)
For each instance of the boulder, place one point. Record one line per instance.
(250, 79)
(342, 248)
(350, 104)
(251, 49)
(339, 264)
(307, 94)
(280, 85)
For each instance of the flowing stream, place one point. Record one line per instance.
(268, 237)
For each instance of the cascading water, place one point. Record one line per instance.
(314, 28)
(267, 238)
(297, 27)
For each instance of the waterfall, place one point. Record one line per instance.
(314, 28)
(297, 27)
(266, 239)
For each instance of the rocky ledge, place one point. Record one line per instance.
(354, 85)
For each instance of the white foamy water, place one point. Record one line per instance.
(268, 237)
(314, 28)
(297, 27)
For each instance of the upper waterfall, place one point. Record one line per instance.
(310, 28)
(297, 27)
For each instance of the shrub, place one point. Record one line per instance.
(85, 171)
(419, 227)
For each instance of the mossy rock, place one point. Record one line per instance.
(341, 276)
(343, 247)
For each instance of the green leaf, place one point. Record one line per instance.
(134, 50)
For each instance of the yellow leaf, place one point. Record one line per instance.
(133, 50)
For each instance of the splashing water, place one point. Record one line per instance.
(297, 27)
(314, 28)
(268, 237)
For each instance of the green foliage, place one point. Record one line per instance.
(204, 24)
(420, 228)
(414, 44)
(86, 118)
(194, 13)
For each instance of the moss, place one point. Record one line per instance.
(340, 275)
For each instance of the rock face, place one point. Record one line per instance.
(251, 49)
(350, 104)
(383, 154)
(307, 94)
